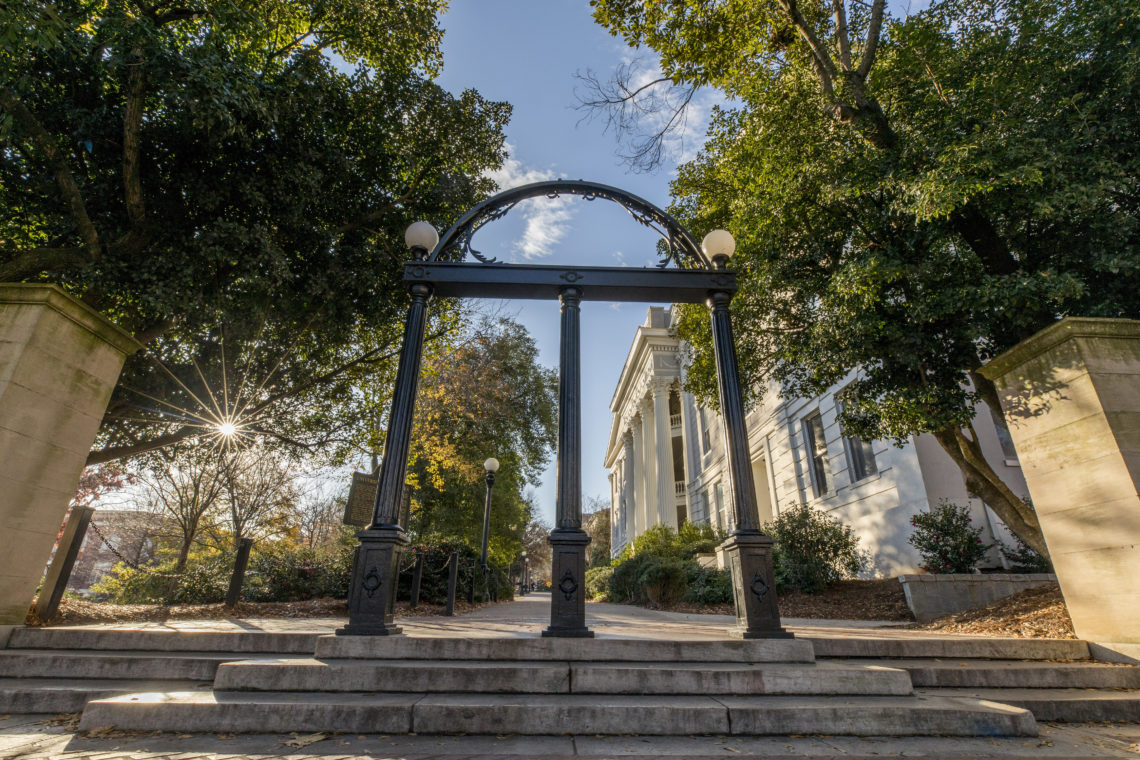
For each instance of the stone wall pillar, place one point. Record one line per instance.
(1071, 395)
(59, 362)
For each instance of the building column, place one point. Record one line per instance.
(666, 493)
(627, 486)
(636, 478)
(649, 508)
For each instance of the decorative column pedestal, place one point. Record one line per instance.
(1071, 396)
(749, 559)
(59, 362)
(372, 595)
(568, 578)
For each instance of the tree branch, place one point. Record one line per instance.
(873, 31)
(824, 65)
(63, 177)
(132, 164)
(841, 34)
(102, 456)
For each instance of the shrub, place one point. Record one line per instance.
(1023, 558)
(813, 549)
(946, 540)
(663, 579)
(598, 583)
(707, 586)
(433, 584)
(204, 580)
(624, 583)
(658, 541)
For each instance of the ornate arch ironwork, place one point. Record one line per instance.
(680, 246)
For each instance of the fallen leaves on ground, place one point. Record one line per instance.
(1036, 613)
(79, 611)
(305, 741)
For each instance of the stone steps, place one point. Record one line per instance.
(558, 714)
(951, 647)
(226, 642)
(520, 677)
(1057, 705)
(58, 695)
(1018, 674)
(37, 663)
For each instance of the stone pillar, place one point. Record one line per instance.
(666, 495)
(748, 552)
(1071, 396)
(637, 478)
(568, 541)
(649, 508)
(59, 362)
(376, 564)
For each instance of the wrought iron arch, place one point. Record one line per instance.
(680, 246)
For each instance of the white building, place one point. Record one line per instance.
(667, 464)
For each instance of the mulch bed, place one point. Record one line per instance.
(1037, 613)
(79, 612)
(846, 600)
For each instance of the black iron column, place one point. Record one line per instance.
(748, 550)
(375, 567)
(568, 541)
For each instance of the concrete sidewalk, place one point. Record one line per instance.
(528, 615)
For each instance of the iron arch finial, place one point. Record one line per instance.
(680, 246)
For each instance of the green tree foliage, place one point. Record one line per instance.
(204, 175)
(486, 396)
(947, 540)
(813, 549)
(660, 567)
(910, 196)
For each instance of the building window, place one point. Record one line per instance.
(706, 439)
(859, 454)
(817, 454)
(1007, 449)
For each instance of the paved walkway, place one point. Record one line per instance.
(42, 737)
(528, 615)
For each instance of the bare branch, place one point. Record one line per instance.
(643, 115)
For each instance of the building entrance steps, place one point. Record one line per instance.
(648, 671)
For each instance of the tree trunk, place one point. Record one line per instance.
(982, 481)
(183, 554)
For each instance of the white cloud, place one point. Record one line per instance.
(546, 220)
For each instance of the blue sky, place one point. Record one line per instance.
(527, 52)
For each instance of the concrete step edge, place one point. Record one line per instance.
(544, 715)
(198, 641)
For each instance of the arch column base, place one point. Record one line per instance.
(568, 581)
(748, 555)
(372, 588)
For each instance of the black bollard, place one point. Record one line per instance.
(417, 576)
(60, 571)
(452, 582)
(241, 562)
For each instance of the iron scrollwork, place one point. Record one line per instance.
(758, 587)
(371, 581)
(677, 245)
(567, 585)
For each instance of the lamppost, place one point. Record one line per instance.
(376, 564)
(522, 576)
(491, 466)
(748, 551)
